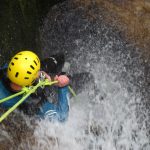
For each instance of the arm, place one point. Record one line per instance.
(57, 111)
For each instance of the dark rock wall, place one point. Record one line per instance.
(19, 25)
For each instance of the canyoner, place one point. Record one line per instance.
(22, 78)
(25, 92)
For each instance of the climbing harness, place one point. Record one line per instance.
(26, 92)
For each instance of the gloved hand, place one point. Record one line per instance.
(63, 80)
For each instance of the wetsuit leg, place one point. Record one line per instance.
(82, 81)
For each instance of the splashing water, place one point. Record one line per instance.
(106, 117)
(105, 124)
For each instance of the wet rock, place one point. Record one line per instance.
(131, 16)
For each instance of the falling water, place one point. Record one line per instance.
(111, 115)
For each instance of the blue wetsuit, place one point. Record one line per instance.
(57, 111)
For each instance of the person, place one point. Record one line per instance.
(24, 69)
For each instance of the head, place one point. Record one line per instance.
(23, 68)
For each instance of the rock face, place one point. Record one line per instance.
(132, 16)
(19, 25)
(20, 22)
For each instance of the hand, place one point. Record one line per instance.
(45, 74)
(63, 80)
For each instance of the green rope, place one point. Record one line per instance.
(12, 96)
(72, 91)
(14, 107)
(32, 90)
(28, 92)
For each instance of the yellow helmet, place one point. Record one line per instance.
(23, 68)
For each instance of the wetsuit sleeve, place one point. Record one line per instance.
(57, 111)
